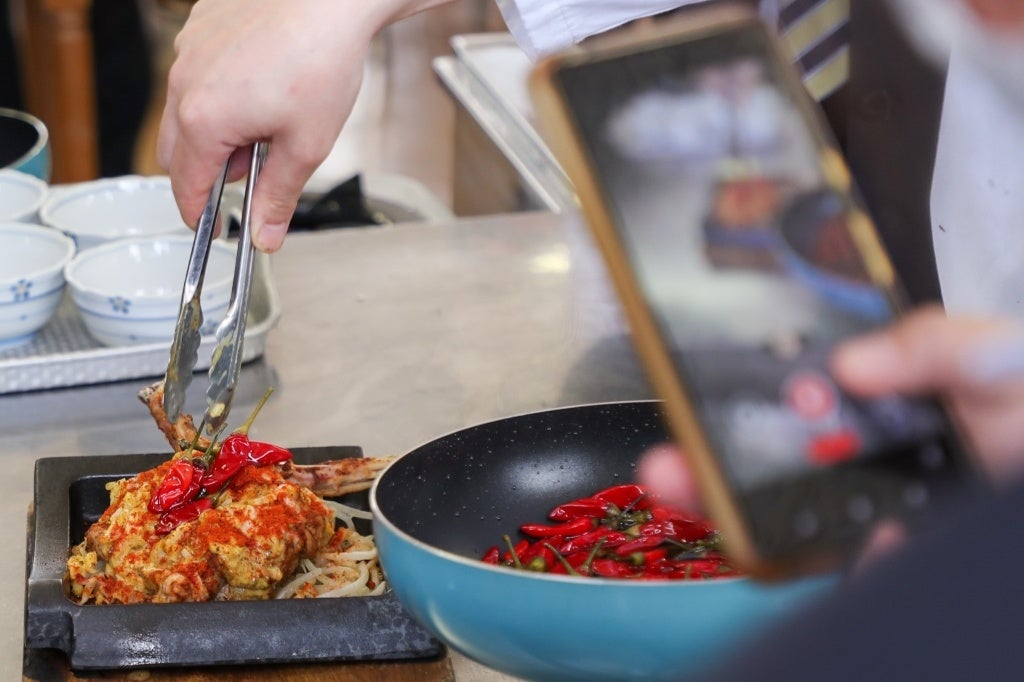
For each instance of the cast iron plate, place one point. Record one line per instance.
(70, 495)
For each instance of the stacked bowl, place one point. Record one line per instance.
(99, 212)
(32, 261)
(121, 246)
(128, 291)
(21, 196)
(133, 248)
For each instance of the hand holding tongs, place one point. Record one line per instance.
(226, 360)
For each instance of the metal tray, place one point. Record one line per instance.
(69, 495)
(488, 75)
(64, 354)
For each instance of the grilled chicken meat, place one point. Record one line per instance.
(255, 536)
(261, 526)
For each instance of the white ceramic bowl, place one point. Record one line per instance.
(99, 212)
(129, 291)
(32, 260)
(21, 196)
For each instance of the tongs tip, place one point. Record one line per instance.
(227, 355)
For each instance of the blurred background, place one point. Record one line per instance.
(95, 72)
(443, 126)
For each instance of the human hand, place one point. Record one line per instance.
(976, 364)
(251, 70)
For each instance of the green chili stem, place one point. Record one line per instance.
(244, 428)
(195, 440)
(212, 449)
(590, 557)
(565, 562)
(629, 507)
(512, 550)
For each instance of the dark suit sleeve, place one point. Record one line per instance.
(946, 608)
(887, 121)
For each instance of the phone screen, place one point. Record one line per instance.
(713, 175)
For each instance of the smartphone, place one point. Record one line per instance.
(741, 253)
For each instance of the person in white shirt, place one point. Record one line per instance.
(216, 108)
(213, 110)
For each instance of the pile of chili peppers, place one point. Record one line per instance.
(617, 533)
(192, 484)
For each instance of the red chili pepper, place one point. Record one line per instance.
(188, 512)
(235, 452)
(265, 454)
(653, 556)
(538, 556)
(519, 548)
(665, 528)
(612, 568)
(254, 451)
(492, 555)
(684, 531)
(617, 532)
(661, 513)
(576, 559)
(668, 514)
(626, 495)
(640, 544)
(574, 527)
(180, 485)
(610, 538)
(229, 461)
(589, 507)
(703, 568)
(686, 569)
(664, 568)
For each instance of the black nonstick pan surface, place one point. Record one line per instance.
(463, 491)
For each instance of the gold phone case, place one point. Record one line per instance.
(559, 127)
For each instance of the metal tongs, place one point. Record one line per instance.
(226, 359)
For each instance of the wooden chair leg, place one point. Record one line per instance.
(56, 48)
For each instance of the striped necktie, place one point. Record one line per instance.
(817, 33)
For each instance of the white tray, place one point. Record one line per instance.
(64, 354)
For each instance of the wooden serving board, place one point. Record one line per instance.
(51, 666)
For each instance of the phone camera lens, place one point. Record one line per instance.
(915, 495)
(860, 509)
(931, 457)
(806, 524)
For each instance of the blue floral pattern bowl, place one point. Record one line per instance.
(32, 260)
(129, 291)
(96, 213)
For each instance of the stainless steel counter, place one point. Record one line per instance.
(389, 337)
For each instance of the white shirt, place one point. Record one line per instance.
(544, 26)
(977, 201)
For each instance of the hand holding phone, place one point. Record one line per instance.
(730, 227)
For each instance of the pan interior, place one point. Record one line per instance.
(463, 491)
(16, 139)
